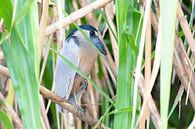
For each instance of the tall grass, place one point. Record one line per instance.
(115, 103)
(127, 19)
(166, 38)
(21, 52)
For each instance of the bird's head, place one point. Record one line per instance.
(92, 35)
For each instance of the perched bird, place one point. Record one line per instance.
(79, 51)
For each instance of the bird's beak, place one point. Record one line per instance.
(100, 46)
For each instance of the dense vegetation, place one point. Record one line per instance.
(147, 79)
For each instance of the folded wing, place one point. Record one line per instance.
(64, 77)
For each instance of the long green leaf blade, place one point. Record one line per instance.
(21, 52)
(127, 23)
(166, 35)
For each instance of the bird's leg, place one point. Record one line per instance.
(77, 96)
(83, 86)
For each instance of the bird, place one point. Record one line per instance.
(79, 51)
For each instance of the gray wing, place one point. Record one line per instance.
(64, 76)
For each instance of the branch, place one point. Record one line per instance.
(152, 107)
(186, 29)
(75, 16)
(60, 101)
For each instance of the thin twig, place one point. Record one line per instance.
(109, 16)
(60, 101)
(152, 107)
(75, 16)
(43, 23)
(147, 75)
(186, 29)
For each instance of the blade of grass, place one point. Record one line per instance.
(177, 99)
(127, 25)
(139, 61)
(21, 53)
(104, 115)
(166, 35)
(6, 13)
(5, 120)
(104, 17)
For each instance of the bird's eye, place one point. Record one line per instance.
(92, 33)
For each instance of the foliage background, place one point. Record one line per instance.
(149, 49)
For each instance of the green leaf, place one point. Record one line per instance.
(127, 26)
(4, 119)
(21, 12)
(6, 12)
(124, 110)
(166, 38)
(21, 52)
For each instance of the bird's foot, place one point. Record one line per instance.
(84, 84)
(81, 110)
